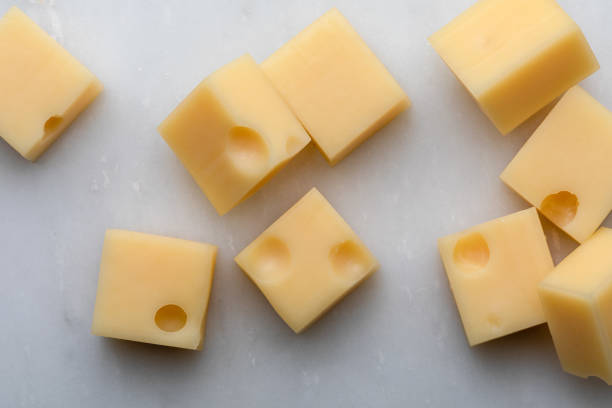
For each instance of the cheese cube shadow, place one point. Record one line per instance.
(233, 132)
(307, 261)
(493, 270)
(153, 289)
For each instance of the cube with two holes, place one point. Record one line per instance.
(307, 261)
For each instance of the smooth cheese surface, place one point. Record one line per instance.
(42, 87)
(153, 289)
(307, 261)
(494, 270)
(233, 132)
(577, 300)
(515, 56)
(335, 85)
(565, 168)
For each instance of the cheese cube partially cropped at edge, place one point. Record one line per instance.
(515, 56)
(42, 87)
(307, 261)
(233, 132)
(335, 85)
(494, 270)
(565, 168)
(577, 301)
(153, 289)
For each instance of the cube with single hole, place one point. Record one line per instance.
(42, 87)
(335, 85)
(515, 56)
(577, 301)
(233, 132)
(494, 270)
(565, 168)
(153, 289)
(306, 261)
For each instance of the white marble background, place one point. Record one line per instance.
(396, 341)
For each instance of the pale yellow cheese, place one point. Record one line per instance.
(233, 132)
(307, 261)
(42, 87)
(565, 168)
(494, 270)
(515, 56)
(335, 85)
(153, 289)
(577, 301)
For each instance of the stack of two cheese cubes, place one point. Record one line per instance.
(516, 56)
(233, 132)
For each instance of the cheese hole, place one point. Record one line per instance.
(560, 208)
(52, 124)
(271, 260)
(170, 318)
(349, 260)
(247, 150)
(472, 252)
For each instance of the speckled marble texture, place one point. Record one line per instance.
(396, 341)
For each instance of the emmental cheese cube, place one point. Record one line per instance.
(153, 289)
(307, 261)
(565, 168)
(494, 270)
(335, 85)
(515, 56)
(42, 87)
(577, 301)
(233, 132)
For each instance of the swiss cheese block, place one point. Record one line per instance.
(42, 87)
(577, 301)
(306, 261)
(515, 56)
(233, 132)
(335, 85)
(565, 168)
(494, 270)
(153, 289)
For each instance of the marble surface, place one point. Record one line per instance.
(396, 341)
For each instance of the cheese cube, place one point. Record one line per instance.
(565, 168)
(515, 56)
(42, 87)
(307, 261)
(153, 289)
(335, 85)
(577, 301)
(233, 132)
(494, 270)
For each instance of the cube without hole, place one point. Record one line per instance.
(577, 301)
(515, 56)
